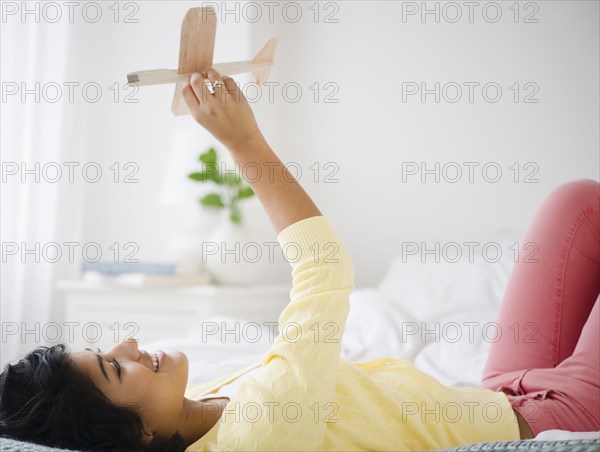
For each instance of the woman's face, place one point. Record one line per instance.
(157, 396)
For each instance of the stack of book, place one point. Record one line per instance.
(143, 274)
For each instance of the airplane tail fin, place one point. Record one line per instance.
(265, 55)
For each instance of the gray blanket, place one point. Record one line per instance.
(579, 445)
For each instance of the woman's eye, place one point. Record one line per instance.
(117, 366)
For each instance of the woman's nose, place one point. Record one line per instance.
(128, 347)
(131, 340)
(132, 345)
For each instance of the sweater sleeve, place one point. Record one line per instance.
(293, 395)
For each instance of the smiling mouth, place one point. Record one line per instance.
(153, 358)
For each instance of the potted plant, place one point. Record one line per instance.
(223, 250)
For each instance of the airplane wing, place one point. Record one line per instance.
(196, 48)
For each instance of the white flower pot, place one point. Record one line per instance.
(246, 253)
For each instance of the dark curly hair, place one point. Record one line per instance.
(46, 400)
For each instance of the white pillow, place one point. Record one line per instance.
(444, 299)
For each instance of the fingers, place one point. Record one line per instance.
(232, 88)
(188, 94)
(213, 76)
(198, 96)
(202, 92)
(217, 82)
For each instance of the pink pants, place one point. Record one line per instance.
(546, 361)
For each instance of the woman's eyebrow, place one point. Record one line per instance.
(100, 364)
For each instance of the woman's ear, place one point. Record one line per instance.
(148, 437)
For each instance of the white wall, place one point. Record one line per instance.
(370, 132)
(370, 52)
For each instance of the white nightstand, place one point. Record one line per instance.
(101, 315)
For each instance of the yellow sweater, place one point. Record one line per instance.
(306, 397)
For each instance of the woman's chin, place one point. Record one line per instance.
(179, 356)
(180, 363)
(173, 362)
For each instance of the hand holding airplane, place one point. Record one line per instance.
(196, 55)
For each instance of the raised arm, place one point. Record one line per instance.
(227, 115)
(301, 366)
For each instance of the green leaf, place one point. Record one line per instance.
(235, 216)
(212, 173)
(232, 179)
(200, 177)
(209, 156)
(212, 200)
(205, 176)
(245, 192)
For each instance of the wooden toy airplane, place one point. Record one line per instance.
(196, 55)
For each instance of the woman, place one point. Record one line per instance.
(302, 396)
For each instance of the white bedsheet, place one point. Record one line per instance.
(555, 435)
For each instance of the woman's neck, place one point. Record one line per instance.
(199, 417)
